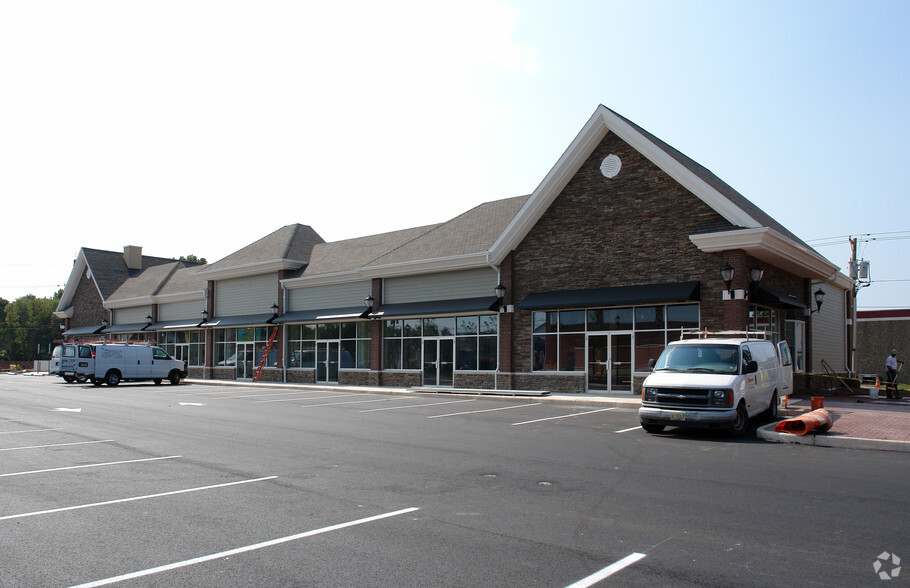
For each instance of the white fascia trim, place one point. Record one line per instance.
(65, 314)
(679, 172)
(766, 244)
(69, 290)
(252, 269)
(559, 175)
(602, 122)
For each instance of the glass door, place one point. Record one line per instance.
(610, 362)
(245, 365)
(439, 362)
(327, 361)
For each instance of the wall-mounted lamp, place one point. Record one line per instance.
(819, 298)
(148, 320)
(274, 310)
(104, 323)
(368, 304)
(62, 326)
(756, 272)
(500, 292)
(205, 315)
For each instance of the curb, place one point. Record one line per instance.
(768, 433)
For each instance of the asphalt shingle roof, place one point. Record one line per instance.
(293, 242)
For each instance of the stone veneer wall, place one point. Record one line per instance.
(629, 230)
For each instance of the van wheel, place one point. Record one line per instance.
(652, 428)
(112, 378)
(771, 413)
(157, 381)
(741, 424)
(174, 377)
(81, 379)
(97, 381)
(69, 379)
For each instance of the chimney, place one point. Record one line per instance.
(132, 255)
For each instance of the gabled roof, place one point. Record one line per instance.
(757, 233)
(108, 271)
(459, 243)
(288, 248)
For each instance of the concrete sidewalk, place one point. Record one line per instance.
(859, 423)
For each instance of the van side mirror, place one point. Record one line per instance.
(651, 363)
(751, 367)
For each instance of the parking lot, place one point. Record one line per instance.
(209, 485)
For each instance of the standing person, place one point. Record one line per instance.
(891, 371)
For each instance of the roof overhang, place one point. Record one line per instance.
(251, 269)
(768, 245)
(435, 308)
(66, 313)
(392, 270)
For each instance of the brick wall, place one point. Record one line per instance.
(629, 230)
(87, 309)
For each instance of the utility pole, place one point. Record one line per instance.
(854, 274)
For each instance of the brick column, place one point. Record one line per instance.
(376, 335)
(736, 312)
(208, 371)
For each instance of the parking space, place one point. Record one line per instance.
(69, 501)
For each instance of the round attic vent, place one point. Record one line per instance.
(610, 166)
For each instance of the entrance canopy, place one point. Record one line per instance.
(612, 296)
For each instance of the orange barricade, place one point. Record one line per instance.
(818, 420)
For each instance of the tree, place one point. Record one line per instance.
(28, 322)
(193, 259)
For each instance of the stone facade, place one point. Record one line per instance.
(87, 308)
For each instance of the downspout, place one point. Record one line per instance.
(498, 327)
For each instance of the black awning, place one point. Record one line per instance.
(127, 328)
(612, 296)
(323, 314)
(245, 320)
(89, 330)
(435, 307)
(764, 295)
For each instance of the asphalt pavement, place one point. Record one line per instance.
(860, 422)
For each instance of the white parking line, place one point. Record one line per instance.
(347, 402)
(56, 445)
(439, 416)
(133, 499)
(565, 416)
(239, 550)
(608, 571)
(419, 405)
(305, 398)
(28, 431)
(630, 429)
(90, 465)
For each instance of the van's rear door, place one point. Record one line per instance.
(786, 369)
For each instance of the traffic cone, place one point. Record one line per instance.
(873, 393)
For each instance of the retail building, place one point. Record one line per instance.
(572, 288)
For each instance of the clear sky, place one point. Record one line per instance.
(198, 127)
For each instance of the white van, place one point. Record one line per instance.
(715, 382)
(117, 363)
(66, 360)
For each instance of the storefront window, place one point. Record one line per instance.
(475, 341)
(188, 346)
(353, 339)
(559, 342)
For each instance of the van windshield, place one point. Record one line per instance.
(707, 359)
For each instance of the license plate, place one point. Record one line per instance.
(677, 416)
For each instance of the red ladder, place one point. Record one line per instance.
(265, 356)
